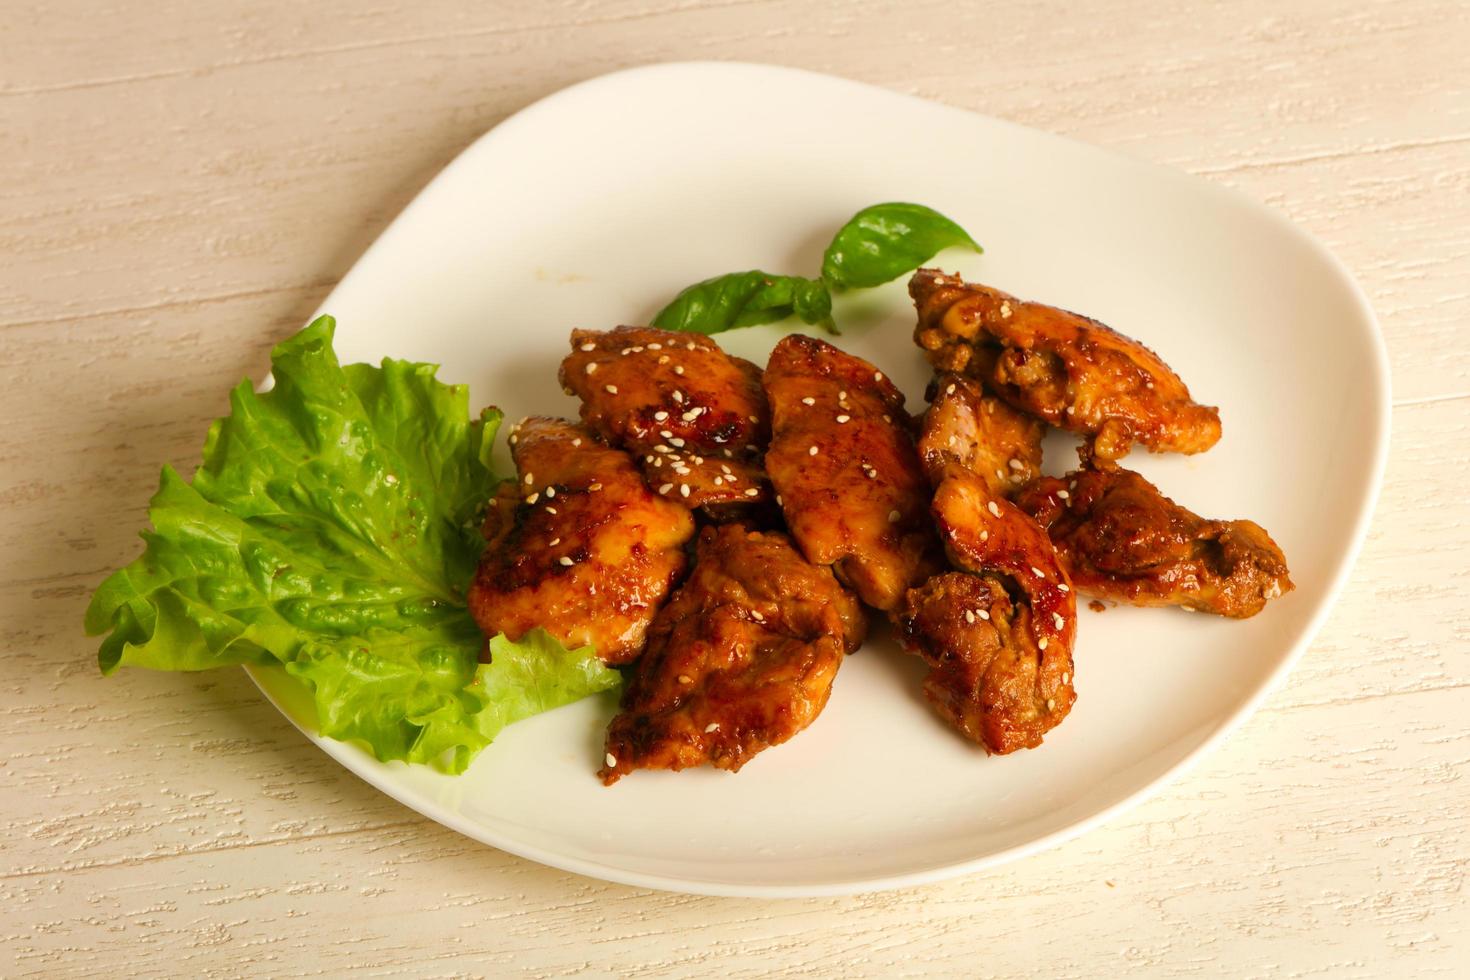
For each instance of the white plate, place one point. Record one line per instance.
(593, 207)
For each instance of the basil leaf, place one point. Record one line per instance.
(884, 241)
(744, 299)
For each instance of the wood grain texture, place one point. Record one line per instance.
(183, 182)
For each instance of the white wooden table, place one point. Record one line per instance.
(181, 183)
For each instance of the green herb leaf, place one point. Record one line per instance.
(744, 299)
(884, 241)
(331, 528)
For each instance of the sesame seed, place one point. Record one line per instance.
(1060, 622)
(533, 498)
(576, 442)
(872, 473)
(550, 492)
(1071, 409)
(1005, 309)
(612, 389)
(1149, 385)
(685, 679)
(690, 345)
(842, 419)
(683, 489)
(887, 417)
(752, 492)
(691, 415)
(514, 439)
(662, 449)
(1016, 464)
(666, 433)
(752, 419)
(677, 443)
(877, 375)
(1041, 643)
(713, 726)
(553, 542)
(1063, 586)
(1051, 704)
(679, 397)
(565, 560)
(719, 482)
(893, 516)
(1063, 494)
(698, 460)
(660, 416)
(842, 396)
(811, 451)
(1066, 678)
(984, 535)
(970, 616)
(724, 467)
(949, 390)
(666, 488)
(982, 613)
(591, 367)
(678, 369)
(994, 508)
(655, 346)
(551, 510)
(650, 459)
(1037, 572)
(808, 400)
(589, 346)
(530, 478)
(626, 351)
(611, 760)
(755, 614)
(951, 440)
(1000, 474)
(664, 359)
(595, 487)
(567, 391)
(778, 500)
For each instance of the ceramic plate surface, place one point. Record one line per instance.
(594, 206)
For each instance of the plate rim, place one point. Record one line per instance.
(362, 765)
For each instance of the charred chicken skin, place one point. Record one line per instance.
(741, 659)
(1067, 370)
(1120, 538)
(965, 430)
(845, 469)
(693, 416)
(577, 545)
(998, 634)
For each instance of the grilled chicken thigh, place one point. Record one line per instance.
(1120, 538)
(965, 430)
(693, 416)
(578, 545)
(845, 469)
(1067, 370)
(742, 658)
(998, 634)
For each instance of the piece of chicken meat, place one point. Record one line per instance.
(966, 430)
(1065, 369)
(845, 469)
(577, 545)
(1120, 538)
(741, 659)
(998, 634)
(693, 416)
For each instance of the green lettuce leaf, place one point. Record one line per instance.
(332, 528)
